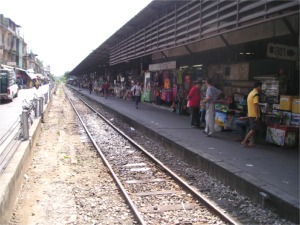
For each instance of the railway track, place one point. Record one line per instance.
(155, 194)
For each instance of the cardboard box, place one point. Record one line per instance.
(296, 106)
(286, 102)
(282, 135)
(286, 118)
(295, 120)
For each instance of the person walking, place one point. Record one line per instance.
(100, 89)
(137, 93)
(241, 126)
(95, 86)
(212, 94)
(194, 103)
(253, 114)
(36, 84)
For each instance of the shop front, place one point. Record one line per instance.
(279, 104)
(169, 86)
(159, 85)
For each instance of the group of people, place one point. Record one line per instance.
(99, 86)
(200, 105)
(251, 121)
(194, 103)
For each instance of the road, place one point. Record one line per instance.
(10, 111)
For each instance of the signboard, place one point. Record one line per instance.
(282, 52)
(11, 63)
(162, 66)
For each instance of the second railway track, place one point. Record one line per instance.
(155, 194)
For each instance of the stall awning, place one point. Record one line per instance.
(20, 72)
(32, 75)
(41, 76)
(6, 67)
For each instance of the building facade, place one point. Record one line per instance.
(13, 48)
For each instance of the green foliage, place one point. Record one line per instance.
(64, 78)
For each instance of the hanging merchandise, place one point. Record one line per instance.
(165, 75)
(179, 76)
(174, 92)
(174, 78)
(187, 82)
(167, 83)
(147, 87)
(166, 95)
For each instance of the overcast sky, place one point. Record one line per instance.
(63, 32)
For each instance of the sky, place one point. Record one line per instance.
(64, 32)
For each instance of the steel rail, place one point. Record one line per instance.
(12, 144)
(9, 131)
(136, 212)
(216, 209)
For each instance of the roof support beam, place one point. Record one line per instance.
(290, 28)
(164, 55)
(225, 41)
(189, 50)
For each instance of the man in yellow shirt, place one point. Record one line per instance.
(253, 114)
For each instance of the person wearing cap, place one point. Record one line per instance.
(253, 114)
(194, 103)
(212, 93)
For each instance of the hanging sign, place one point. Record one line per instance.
(282, 52)
(162, 66)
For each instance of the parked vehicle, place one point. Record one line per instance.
(8, 86)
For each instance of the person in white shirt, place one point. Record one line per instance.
(212, 94)
(137, 93)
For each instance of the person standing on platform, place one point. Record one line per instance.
(202, 111)
(137, 93)
(105, 87)
(194, 102)
(91, 86)
(157, 96)
(253, 114)
(212, 94)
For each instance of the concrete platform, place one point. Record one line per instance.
(266, 169)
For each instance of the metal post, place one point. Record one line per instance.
(49, 90)
(46, 98)
(25, 125)
(41, 104)
(37, 108)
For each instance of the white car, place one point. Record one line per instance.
(8, 86)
